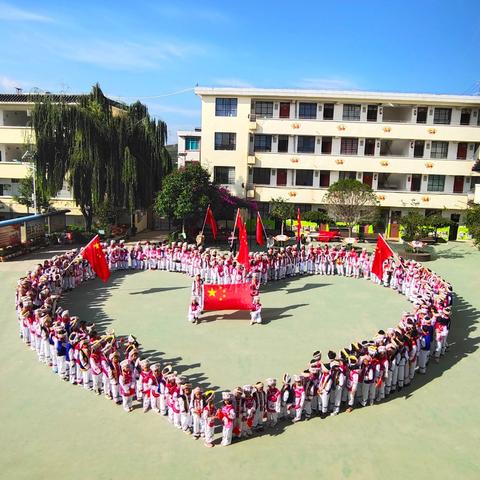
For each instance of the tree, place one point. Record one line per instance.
(281, 210)
(351, 202)
(109, 152)
(413, 224)
(434, 222)
(473, 222)
(25, 196)
(185, 194)
(316, 216)
(25, 192)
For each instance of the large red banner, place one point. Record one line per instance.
(235, 296)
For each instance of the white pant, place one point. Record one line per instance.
(227, 435)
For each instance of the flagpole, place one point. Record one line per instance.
(205, 219)
(80, 254)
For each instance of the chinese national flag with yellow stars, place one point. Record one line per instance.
(93, 252)
(235, 296)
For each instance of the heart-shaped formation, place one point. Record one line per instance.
(362, 373)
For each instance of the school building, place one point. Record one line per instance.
(416, 151)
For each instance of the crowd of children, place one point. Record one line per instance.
(363, 373)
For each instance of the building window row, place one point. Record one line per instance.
(400, 182)
(351, 112)
(310, 144)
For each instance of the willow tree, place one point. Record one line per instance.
(110, 154)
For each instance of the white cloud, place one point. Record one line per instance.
(125, 55)
(8, 84)
(11, 13)
(232, 82)
(157, 108)
(327, 83)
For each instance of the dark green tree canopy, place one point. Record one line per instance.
(473, 222)
(351, 202)
(107, 152)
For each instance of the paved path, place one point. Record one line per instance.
(51, 428)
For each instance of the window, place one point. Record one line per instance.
(225, 107)
(304, 178)
(264, 109)
(261, 176)
(462, 151)
(326, 144)
(263, 143)
(324, 178)
(369, 146)
(225, 141)
(307, 110)
(442, 116)
(439, 150)
(224, 175)
(436, 183)
(372, 111)
(391, 181)
(5, 189)
(422, 114)
(465, 116)
(283, 143)
(474, 181)
(349, 146)
(305, 144)
(419, 148)
(347, 175)
(328, 109)
(351, 112)
(192, 143)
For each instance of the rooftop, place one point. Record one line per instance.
(351, 95)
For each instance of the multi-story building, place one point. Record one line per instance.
(16, 139)
(188, 144)
(416, 151)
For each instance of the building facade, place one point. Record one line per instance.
(16, 148)
(416, 151)
(189, 146)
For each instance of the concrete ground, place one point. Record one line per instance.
(50, 428)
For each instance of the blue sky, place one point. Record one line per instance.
(151, 49)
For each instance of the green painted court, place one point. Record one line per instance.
(429, 430)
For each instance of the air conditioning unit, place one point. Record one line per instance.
(252, 117)
(251, 193)
(251, 159)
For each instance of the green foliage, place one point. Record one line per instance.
(434, 222)
(108, 152)
(281, 210)
(185, 194)
(316, 216)
(473, 223)
(351, 202)
(25, 196)
(412, 223)
(25, 189)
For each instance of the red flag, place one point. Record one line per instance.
(211, 221)
(299, 224)
(234, 296)
(382, 252)
(259, 231)
(242, 256)
(93, 252)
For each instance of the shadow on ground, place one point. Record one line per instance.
(88, 304)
